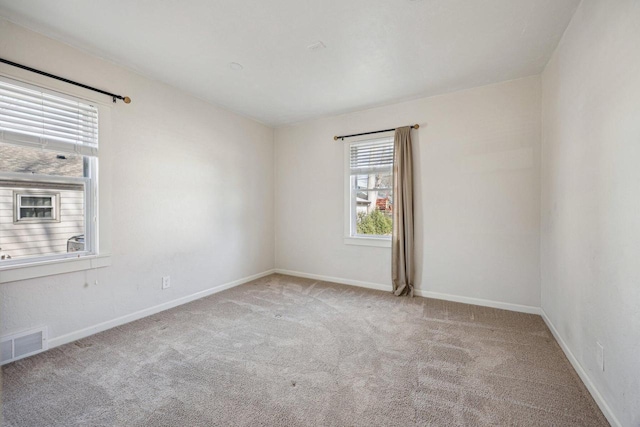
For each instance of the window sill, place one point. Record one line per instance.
(12, 273)
(380, 242)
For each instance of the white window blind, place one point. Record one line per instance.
(30, 116)
(371, 157)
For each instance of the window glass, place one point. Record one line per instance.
(35, 160)
(371, 194)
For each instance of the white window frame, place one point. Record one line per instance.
(39, 266)
(17, 202)
(350, 237)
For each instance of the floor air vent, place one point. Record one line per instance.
(17, 346)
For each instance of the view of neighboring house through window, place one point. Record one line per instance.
(48, 161)
(370, 187)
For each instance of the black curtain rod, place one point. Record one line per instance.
(126, 99)
(335, 138)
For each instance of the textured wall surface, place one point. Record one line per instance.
(590, 243)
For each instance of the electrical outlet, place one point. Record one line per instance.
(166, 282)
(600, 355)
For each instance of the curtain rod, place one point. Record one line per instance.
(126, 99)
(335, 138)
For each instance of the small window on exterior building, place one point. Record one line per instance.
(369, 190)
(37, 207)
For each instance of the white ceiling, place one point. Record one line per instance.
(377, 51)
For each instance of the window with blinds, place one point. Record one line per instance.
(370, 188)
(31, 116)
(48, 187)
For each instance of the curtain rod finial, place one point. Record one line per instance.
(126, 100)
(335, 138)
(416, 126)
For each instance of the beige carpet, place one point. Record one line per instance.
(284, 351)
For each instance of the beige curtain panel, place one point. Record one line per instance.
(402, 250)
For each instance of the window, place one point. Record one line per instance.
(36, 207)
(369, 192)
(48, 165)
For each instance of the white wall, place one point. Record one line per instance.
(590, 247)
(186, 190)
(477, 194)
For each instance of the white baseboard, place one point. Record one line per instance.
(479, 301)
(83, 333)
(604, 407)
(358, 283)
(418, 292)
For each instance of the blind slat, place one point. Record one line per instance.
(16, 92)
(46, 105)
(26, 129)
(46, 112)
(45, 123)
(43, 106)
(370, 156)
(48, 142)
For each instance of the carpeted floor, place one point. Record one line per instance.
(285, 351)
